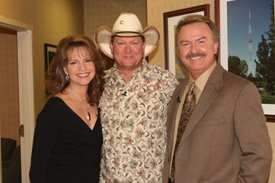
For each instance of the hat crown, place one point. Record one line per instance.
(127, 23)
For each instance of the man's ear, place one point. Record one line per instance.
(111, 47)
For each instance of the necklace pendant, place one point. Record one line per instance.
(88, 116)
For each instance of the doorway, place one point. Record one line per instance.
(25, 100)
(9, 113)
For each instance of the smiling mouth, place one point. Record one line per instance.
(195, 56)
(83, 74)
(127, 57)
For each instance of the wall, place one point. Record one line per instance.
(105, 12)
(9, 94)
(51, 21)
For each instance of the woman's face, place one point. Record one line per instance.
(80, 66)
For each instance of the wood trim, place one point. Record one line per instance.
(8, 31)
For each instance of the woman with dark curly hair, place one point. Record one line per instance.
(68, 135)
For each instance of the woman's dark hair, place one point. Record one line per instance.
(55, 78)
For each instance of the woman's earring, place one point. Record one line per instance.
(67, 77)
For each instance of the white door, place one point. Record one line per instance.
(25, 91)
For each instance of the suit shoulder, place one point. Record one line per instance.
(234, 81)
(231, 77)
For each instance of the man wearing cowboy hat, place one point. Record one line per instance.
(134, 103)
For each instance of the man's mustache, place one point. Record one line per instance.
(190, 55)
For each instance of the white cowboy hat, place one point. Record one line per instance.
(127, 24)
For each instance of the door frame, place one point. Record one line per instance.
(26, 91)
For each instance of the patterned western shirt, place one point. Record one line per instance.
(134, 124)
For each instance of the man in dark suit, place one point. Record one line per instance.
(225, 140)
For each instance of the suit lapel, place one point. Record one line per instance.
(209, 94)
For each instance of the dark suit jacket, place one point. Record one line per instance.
(226, 139)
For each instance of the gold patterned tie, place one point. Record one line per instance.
(187, 109)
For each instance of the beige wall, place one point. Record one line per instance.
(105, 12)
(51, 20)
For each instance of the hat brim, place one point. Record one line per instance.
(104, 34)
(103, 38)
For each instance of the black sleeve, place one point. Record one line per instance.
(45, 136)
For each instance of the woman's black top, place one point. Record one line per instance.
(65, 149)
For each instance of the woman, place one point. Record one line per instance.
(68, 136)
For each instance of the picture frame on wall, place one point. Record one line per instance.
(170, 20)
(49, 52)
(245, 45)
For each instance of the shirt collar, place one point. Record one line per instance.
(115, 74)
(202, 79)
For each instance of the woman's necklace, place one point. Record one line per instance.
(80, 104)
